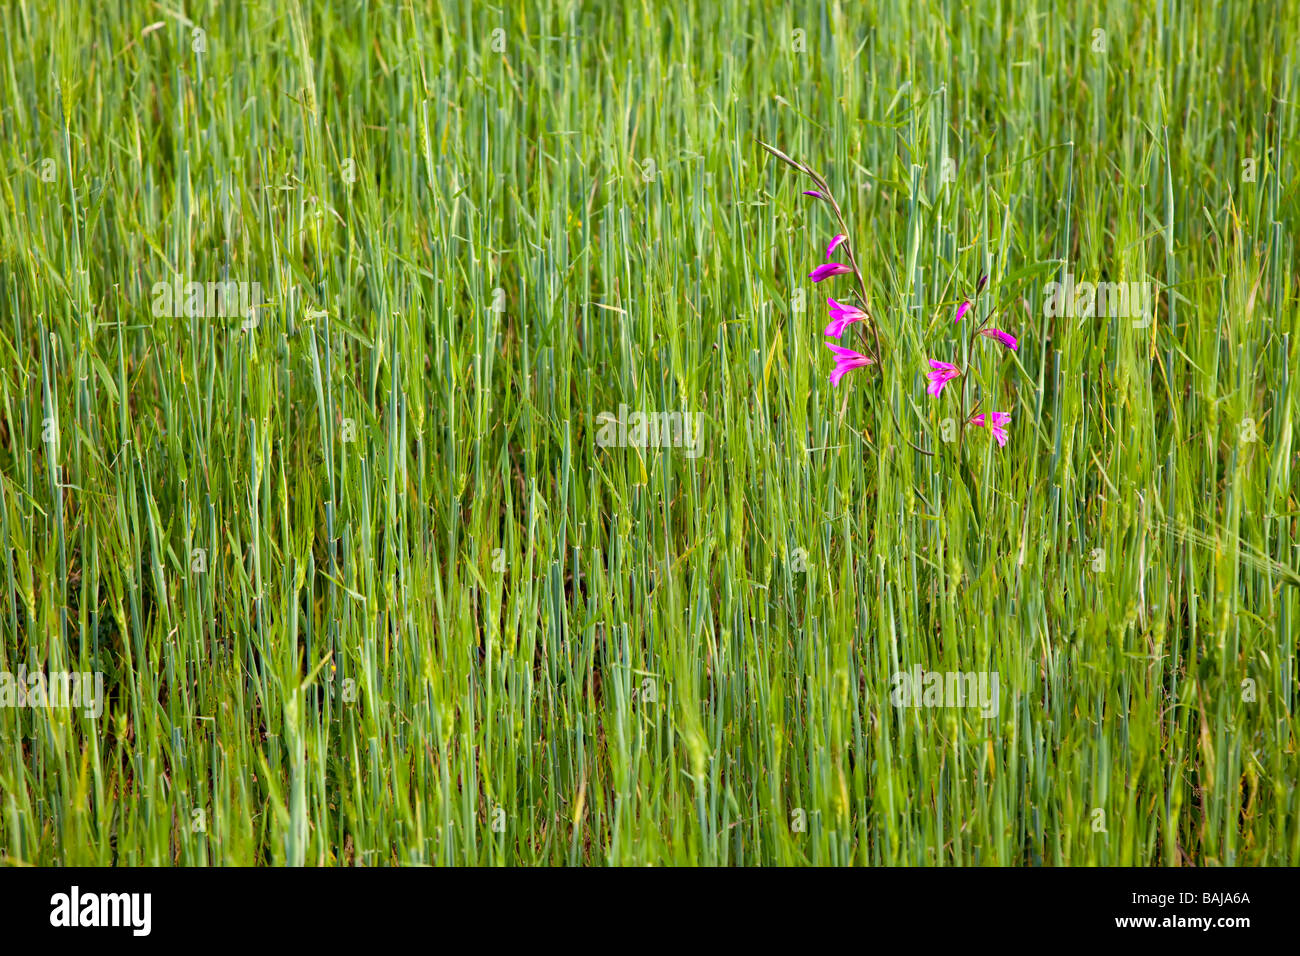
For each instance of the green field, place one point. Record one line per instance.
(367, 575)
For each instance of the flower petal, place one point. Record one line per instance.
(940, 375)
(841, 317)
(997, 422)
(845, 361)
(844, 353)
(1005, 338)
(823, 272)
(837, 326)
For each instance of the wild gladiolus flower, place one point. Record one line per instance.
(999, 422)
(846, 360)
(842, 316)
(834, 242)
(940, 374)
(962, 310)
(828, 270)
(814, 193)
(1006, 338)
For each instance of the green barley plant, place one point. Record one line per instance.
(416, 442)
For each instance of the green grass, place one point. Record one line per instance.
(432, 603)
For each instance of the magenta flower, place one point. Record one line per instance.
(842, 316)
(1006, 338)
(999, 422)
(834, 242)
(845, 361)
(962, 310)
(828, 270)
(814, 193)
(940, 375)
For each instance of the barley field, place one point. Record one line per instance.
(418, 444)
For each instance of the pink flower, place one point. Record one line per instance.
(999, 422)
(845, 361)
(962, 310)
(834, 242)
(1006, 338)
(940, 375)
(841, 317)
(828, 270)
(814, 193)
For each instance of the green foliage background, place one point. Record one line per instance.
(436, 623)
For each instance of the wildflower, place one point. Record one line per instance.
(962, 310)
(979, 286)
(814, 193)
(1006, 338)
(845, 361)
(940, 375)
(841, 317)
(828, 270)
(999, 421)
(834, 242)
